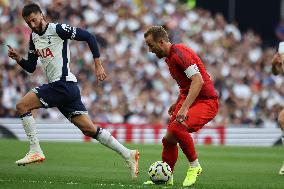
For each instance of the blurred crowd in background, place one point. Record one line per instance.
(139, 88)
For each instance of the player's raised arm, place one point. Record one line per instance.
(68, 32)
(30, 64)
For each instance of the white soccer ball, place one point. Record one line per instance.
(160, 172)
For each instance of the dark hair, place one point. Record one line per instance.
(157, 32)
(30, 8)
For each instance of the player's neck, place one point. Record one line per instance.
(168, 48)
(44, 25)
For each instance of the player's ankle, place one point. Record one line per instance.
(194, 163)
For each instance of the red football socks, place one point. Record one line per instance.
(170, 153)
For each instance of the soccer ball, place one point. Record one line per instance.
(160, 172)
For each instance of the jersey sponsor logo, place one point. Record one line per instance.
(44, 53)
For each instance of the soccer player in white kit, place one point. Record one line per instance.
(50, 43)
(277, 68)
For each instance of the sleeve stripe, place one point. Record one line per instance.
(181, 57)
(73, 33)
(191, 70)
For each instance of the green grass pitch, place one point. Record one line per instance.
(88, 165)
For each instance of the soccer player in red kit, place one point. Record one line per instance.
(196, 105)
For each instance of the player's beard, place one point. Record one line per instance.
(39, 29)
(159, 53)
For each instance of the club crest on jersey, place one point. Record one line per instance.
(44, 53)
(49, 37)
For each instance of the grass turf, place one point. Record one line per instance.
(89, 165)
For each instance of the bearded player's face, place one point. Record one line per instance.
(154, 47)
(35, 22)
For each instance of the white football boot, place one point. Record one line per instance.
(281, 171)
(31, 157)
(132, 163)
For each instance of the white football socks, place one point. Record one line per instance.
(31, 132)
(105, 138)
(194, 163)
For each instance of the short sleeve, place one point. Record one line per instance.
(187, 63)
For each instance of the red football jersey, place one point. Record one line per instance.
(183, 63)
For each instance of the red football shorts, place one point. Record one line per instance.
(200, 113)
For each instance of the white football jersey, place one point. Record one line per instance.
(54, 52)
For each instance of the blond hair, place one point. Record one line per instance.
(157, 32)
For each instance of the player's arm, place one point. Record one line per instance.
(67, 32)
(276, 64)
(30, 64)
(192, 72)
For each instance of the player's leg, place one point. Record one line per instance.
(281, 124)
(170, 150)
(76, 112)
(46, 95)
(169, 155)
(199, 114)
(84, 123)
(24, 107)
(185, 141)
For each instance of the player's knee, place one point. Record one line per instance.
(22, 107)
(176, 127)
(281, 119)
(169, 138)
(167, 141)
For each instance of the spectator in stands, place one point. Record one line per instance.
(228, 54)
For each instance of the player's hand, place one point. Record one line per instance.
(276, 59)
(100, 72)
(172, 109)
(181, 115)
(276, 64)
(12, 53)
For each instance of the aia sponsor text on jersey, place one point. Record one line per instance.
(44, 53)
